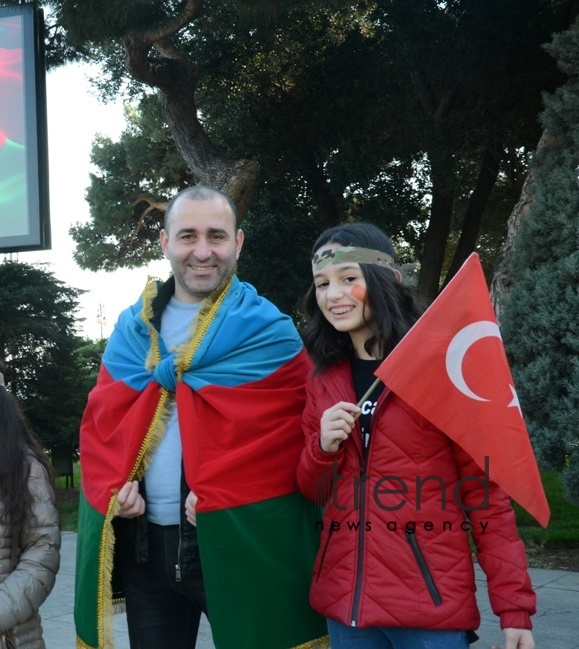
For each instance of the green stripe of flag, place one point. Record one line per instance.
(90, 525)
(257, 567)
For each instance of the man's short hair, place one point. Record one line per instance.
(200, 193)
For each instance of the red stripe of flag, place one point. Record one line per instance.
(241, 444)
(111, 435)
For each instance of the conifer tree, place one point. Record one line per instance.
(540, 319)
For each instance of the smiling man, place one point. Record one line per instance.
(202, 242)
(188, 447)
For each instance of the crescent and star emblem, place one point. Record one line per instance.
(457, 350)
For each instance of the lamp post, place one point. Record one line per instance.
(101, 318)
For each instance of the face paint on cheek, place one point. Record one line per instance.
(359, 292)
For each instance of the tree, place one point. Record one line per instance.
(38, 342)
(145, 162)
(449, 91)
(151, 36)
(539, 316)
(396, 100)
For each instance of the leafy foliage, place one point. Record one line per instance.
(39, 344)
(381, 111)
(126, 220)
(540, 317)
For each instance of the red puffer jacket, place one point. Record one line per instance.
(395, 546)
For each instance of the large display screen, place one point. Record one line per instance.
(24, 207)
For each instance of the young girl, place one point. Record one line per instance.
(29, 529)
(394, 568)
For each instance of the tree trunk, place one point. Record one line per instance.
(436, 108)
(321, 191)
(236, 178)
(476, 207)
(152, 59)
(501, 281)
(438, 229)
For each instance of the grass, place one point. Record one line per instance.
(67, 501)
(563, 528)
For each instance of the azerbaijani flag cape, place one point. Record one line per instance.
(239, 387)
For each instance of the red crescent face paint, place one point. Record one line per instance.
(359, 292)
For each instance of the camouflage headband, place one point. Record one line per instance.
(351, 254)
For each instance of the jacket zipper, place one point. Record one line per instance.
(178, 564)
(361, 540)
(362, 527)
(426, 574)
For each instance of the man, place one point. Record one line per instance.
(189, 444)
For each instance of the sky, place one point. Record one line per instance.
(75, 115)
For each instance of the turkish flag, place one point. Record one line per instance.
(451, 367)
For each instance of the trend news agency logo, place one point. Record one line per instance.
(388, 493)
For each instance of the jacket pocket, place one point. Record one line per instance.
(323, 555)
(420, 560)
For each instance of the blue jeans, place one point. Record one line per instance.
(347, 637)
(162, 613)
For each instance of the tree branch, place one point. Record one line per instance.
(152, 205)
(191, 11)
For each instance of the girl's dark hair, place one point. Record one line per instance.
(395, 307)
(17, 444)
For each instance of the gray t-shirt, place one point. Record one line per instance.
(163, 476)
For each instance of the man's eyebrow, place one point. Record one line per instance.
(195, 231)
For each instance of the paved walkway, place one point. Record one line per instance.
(556, 623)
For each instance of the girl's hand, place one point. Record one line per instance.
(517, 639)
(336, 424)
(130, 500)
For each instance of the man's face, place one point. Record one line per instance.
(202, 246)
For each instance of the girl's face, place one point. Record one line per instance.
(340, 294)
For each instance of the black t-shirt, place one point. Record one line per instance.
(363, 376)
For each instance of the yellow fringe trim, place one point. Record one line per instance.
(104, 595)
(320, 643)
(149, 293)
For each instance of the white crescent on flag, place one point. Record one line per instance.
(459, 346)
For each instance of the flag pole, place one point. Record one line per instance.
(368, 392)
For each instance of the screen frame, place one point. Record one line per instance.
(36, 222)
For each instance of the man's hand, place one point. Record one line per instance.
(517, 639)
(190, 504)
(131, 503)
